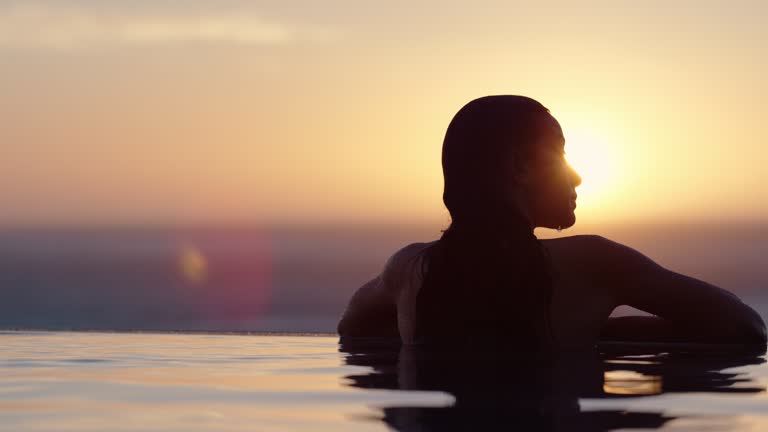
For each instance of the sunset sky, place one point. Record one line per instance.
(164, 112)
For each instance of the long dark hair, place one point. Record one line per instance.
(488, 278)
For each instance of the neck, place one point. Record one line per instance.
(502, 222)
(521, 208)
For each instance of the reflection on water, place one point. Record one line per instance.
(625, 382)
(71, 381)
(592, 391)
(53, 381)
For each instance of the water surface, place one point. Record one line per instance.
(81, 381)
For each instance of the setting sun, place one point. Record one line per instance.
(592, 158)
(593, 152)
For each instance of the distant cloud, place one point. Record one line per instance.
(58, 26)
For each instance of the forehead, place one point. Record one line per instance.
(550, 130)
(551, 140)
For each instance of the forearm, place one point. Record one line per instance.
(643, 329)
(656, 329)
(693, 308)
(713, 312)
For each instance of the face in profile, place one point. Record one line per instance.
(551, 182)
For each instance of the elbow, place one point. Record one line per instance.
(756, 338)
(375, 324)
(755, 329)
(750, 329)
(343, 327)
(758, 333)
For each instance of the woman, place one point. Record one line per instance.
(488, 278)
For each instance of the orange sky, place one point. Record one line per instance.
(195, 111)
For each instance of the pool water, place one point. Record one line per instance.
(79, 381)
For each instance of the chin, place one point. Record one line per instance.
(569, 224)
(562, 222)
(569, 221)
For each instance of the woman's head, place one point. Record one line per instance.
(488, 276)
(504, 155)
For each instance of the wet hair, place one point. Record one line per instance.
(488, 279)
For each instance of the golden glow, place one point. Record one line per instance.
(624, 382)
(601, 156)
(160, 113)
(593, 159)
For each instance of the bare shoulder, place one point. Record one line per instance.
(579, 249)
(596, 263)
(592, 249)
(402, 261)
(582, 240)
(373, 310)
(410, 251)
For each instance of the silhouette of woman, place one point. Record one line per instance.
(488, 278)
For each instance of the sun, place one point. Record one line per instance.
(594, 158)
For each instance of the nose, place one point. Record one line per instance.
(575, 177)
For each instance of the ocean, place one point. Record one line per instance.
(281, 279)
(231, 329)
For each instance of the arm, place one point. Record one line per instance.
(636, 328)
(689, 309)
(371, 311)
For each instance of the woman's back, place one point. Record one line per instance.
(576, 313)
(493, 292)
(591, 276)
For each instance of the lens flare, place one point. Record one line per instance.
(192, 265)
(234, 266)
